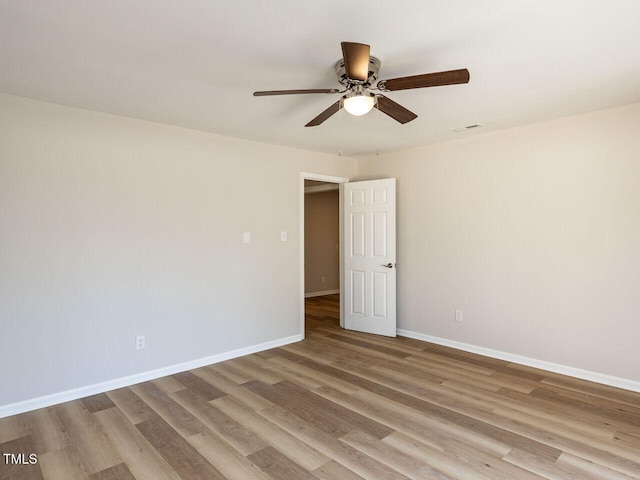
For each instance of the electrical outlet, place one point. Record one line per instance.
(141, 342)
(458, 315)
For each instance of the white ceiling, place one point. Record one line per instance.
(195, 63)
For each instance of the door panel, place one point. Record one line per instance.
(357, 235)
(358, 295)
(379, 234)
(380, 282)
(369, 256)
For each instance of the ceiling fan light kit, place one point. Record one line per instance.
(358, 72)
(358, 104)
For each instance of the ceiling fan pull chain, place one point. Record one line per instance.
(340, 131)
(377, 127)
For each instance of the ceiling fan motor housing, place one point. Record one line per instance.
(341, 71)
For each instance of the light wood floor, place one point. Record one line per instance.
(339, 405)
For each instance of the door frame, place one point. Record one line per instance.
(320, 178)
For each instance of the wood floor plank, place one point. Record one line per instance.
(66, 463)
(465, 357)
(46, 430)
(231, 388)
(450, 365)
(566, 428)
(13, 427)
(393, 458)
(170, 410)
(628, 440)
(513, 374)
(232, 372)
(278, 466)
(93, 445)
(588, 406)
(185, 460)
(528, 410)
(459, 460)
(605, 454)
(167, 384)
(518, 406)
(437, 393)
(602, 452)
(198, 386)
(592, 425)
(482, 379)
(371, 346)
(324, 414)
(406, 344)
(231, 431)
(541, 466)
(353, 349)
(143, 460)
(306, 455)
(349, 457)
(435, 432)
(117, 472)
(394, 369)
(605, 392)
(333, 470)
(22, 468)
(313, 378)
(582, 468)
(231, 463)
(95, 403)
(292, 372)
(312, 349)
(254, 367)
(304, 411)
(135, 409)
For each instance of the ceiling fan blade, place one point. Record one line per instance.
(356, 60)
(394, 110)
(451, 77)
(294, 92)
(324, 115)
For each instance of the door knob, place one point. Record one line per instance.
(389, 265)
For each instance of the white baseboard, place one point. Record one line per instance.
(612, 381)
(66, 396)
(320, 294)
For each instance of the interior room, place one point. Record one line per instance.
(175, 291)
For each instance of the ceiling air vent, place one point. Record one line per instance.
(466, 127)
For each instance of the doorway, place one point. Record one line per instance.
(321, 267)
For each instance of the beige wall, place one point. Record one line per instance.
(112, 227)
(533, 232)
(321, 238)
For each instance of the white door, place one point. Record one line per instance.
(369, 256)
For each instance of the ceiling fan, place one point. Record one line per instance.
(358, 72)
